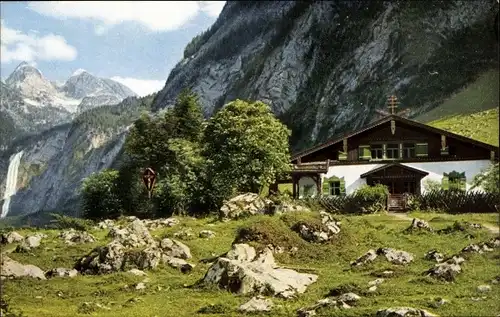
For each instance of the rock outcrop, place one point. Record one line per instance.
(244, 272)
(244, 205)
(14, 269)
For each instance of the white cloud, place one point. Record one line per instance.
(142, 87)
(18, 46)
(155, 15)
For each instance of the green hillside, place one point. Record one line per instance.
(472, 112)
(168, 292)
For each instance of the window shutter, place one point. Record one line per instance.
(326, 187)
(445, 183)
(421, 149)
(342, 186)
(364, 152)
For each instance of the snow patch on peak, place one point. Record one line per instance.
(79, 71)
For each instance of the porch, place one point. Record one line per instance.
(400, 180)
(312, 170)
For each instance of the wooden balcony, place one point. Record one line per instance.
(311, 167)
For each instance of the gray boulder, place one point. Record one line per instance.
(396, 256)
(260, 275)
(368, 257)
(14, 269)
(11, 237)
(175, 249)
(61, 272)
(72, 237)
(244, 205)
(257, 304)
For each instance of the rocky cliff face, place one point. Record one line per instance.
(55, 162)
(324, 67)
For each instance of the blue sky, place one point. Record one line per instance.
(134, 42)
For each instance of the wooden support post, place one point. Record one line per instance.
(344, 147)
(294, 187)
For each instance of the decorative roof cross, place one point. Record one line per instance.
(393, 101)
(392, 105)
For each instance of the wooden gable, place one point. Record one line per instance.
(398, 130)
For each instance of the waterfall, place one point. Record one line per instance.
(11, 183)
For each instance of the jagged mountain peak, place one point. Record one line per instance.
(22, 72)
(78, 72)
(83, 84)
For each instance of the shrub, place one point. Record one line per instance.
(366, 200)
(66, 222)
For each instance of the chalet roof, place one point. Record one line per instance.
(404, 167)
(339, 138)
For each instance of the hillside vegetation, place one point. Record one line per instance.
(472, 112)
(168, 291)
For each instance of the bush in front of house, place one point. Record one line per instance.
(365, 200)
(455, 201)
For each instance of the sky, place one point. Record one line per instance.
(136, 43)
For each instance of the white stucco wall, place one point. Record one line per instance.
(351, 173)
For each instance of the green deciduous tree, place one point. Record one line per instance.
(489, 180)
(100, 195)
(246, 148)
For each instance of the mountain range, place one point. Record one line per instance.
(31, 103)
(324, 67)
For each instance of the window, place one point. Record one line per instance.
(408, 150)
(421, 149)
(392, 151)
(377, 151)
(410, 187)
(335, 188)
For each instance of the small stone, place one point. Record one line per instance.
(376, 282)
(484, 288)
(140, 286)
(207, 234)
(137, 272)
(372, 289)
(257, 304)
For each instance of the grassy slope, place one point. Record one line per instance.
(359, 233)
(472, 112)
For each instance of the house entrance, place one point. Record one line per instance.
(399, 179)
(400, 186)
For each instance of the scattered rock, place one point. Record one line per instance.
(29, 243)
(244, 205)
(61, 272)
(140, 286)
(13, 269)
(137, 272)
(287, 207)
(175, 249)
(105, 224)
(484, 288)
(72, 236)
(103, 259)
(313, 232)
(438, 302)
(372, 289)
(434, 255)
(447, 270)
(419, 225)
(134, 235)
(160, 223)
(343, 301)
(396, 256)
(477, 248)
(90, 307)
(11, 237)
(260, 275)
(206, 234)
(177, 263)
(369, 256)
(376, 282)
(257, 304)
(184, 234)
(404, 312)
